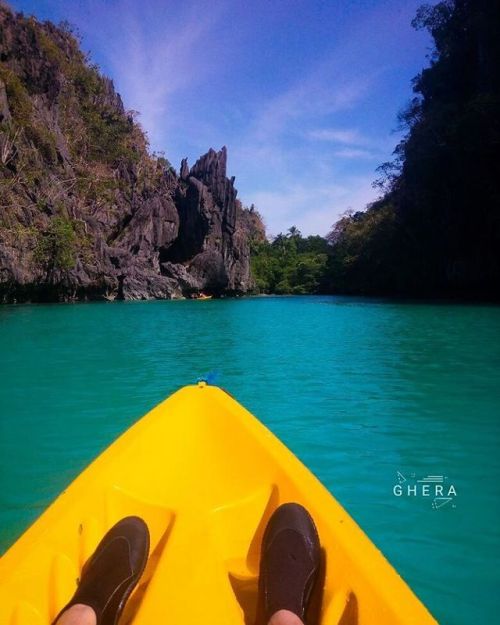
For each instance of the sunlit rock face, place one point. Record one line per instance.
(86, 211)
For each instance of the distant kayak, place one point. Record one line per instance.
(206, 476)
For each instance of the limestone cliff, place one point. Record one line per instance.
(86, 212)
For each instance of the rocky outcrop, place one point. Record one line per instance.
(86, 211)
(207, 245)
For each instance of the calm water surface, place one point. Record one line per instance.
(358, 389)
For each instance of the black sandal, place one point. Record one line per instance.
(290, 562)
(112, 572)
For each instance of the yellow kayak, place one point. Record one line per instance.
(205, 475)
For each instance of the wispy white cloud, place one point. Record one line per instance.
(311, 97)
(300, 183)
(313, 209)
(354, 153)
(155, 55)
(354, 145)
(338, 135)
(156, 70)
(300, 150)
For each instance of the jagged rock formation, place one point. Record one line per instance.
(85, 211)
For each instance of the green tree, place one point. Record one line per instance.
(55, 249)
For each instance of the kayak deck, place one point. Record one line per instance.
(205, 475)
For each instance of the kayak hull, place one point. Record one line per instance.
(205, 475)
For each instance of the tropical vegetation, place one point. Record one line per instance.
(289, 263)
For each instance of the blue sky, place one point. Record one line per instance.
(304, 93)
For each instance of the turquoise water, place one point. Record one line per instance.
(359, 389)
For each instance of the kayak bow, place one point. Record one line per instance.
(205, 475)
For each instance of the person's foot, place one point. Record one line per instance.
(289, 564)
(112, 572)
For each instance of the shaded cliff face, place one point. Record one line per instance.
(85, 211)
